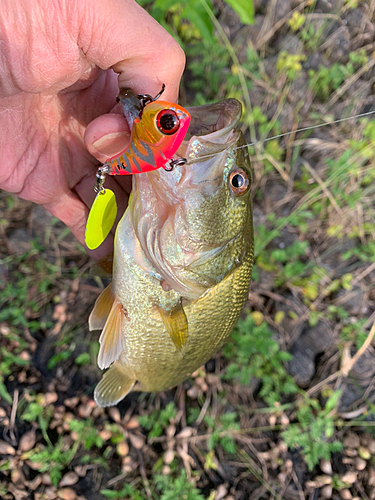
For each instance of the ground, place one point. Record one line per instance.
(286, 409)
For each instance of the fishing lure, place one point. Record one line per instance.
(158, 129)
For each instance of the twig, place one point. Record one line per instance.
(203, 410)
(143, 474)
(326, 191)
(12, 423)
(344, 371)
(298, 484)
(279, 24)
(367, 271)
(341, 90)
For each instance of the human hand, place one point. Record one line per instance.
(55, 78)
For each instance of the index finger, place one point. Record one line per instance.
(120, 34)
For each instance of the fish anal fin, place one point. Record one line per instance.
(176, 323)
(102, 309)
(112, 338)
(115, 384)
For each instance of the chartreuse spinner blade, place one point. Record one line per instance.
(102, 214)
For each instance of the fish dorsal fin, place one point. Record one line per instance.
(115, 384)
(112, 338)
(176, 323)
(102, 308)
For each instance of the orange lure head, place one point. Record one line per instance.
(157, 133)
(162, 126)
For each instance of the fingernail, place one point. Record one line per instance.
(111, 144)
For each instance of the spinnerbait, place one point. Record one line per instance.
(157, 130)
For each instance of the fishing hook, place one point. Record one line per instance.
(174, 163)
(147, 98)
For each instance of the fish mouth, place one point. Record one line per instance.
(212, 118)
(211, 129)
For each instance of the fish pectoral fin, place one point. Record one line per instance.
(176, 323)
(115, 384)
(102, 308)
(103, 267)
(112, 338)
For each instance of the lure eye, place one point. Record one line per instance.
(239, 182)
(167, 121)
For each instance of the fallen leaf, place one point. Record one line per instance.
(81, 470)
(17, 493)
(17, 477)
(122, 449)
(185, 433)
(132, 424)
(114, 413)
(32, 485)
(50, 397)
(69, 479)
(67, 494)
(6, 449)
(27, 441)
(136, 441)
(168, 457)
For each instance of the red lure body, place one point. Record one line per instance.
(156, 135)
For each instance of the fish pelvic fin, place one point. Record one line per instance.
(102, 309)
(176, 323)
(115, 384)
(112, 338)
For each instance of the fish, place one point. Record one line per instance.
(157, 130)
(183, 257)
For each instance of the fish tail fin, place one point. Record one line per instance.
(102, 308)
(115, 384)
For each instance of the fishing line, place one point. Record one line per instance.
(340, 120)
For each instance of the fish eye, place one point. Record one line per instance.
(239, 181)
(167, 121)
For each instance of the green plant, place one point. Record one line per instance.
(58, 358)
(354, 332)
(82, 359)
(311, 35)
(156, 421)
(312, 433)
(171, 488)
(10, 360)
(256, 343)
(296, 21)
(328, 79)
(86, 433)
(290, 64)
(23, 296)
(53, 458)
(220, 431)
(127, 492)
(164, 487)
(189, 20)
(37, 411)
(208, 63)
